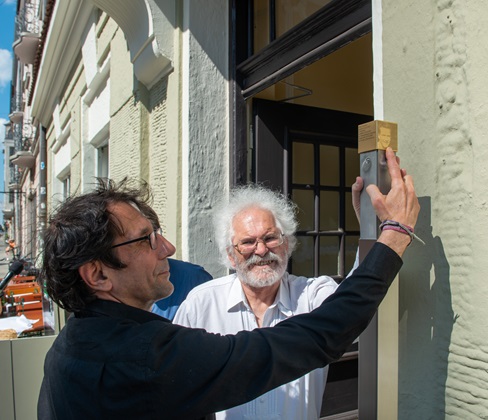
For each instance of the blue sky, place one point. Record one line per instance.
(7, 14)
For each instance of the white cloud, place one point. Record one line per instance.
(10, 1)
(5, 67)
(3, 121)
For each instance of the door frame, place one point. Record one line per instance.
(329, 29)
(250, 74)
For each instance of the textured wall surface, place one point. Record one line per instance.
(163, 185)
(205, 139)
(435, 87)
(125, 136)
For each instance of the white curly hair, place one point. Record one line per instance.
(253, 196)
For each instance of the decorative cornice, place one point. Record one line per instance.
(37, 61)
(148, 26)
(58, 53)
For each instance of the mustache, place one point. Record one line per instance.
(256, 259)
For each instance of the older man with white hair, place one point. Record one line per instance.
(255, 232)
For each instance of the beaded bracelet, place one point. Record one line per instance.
(399, 227)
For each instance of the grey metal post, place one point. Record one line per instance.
(373, 169)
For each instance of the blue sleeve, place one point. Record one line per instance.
(184, 276)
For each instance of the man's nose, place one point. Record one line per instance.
(166, 248)
(261, 249)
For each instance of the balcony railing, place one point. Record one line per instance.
(14, 181)
(9, 135)
(16, 112)
(26, 144)
(28, 133)
(23, 140)
(17, 136)
(27, 34)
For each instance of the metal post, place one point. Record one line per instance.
(374, 138)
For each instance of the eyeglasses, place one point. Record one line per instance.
(152, 238)
(248, 246)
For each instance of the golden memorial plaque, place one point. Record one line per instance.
(377, 135)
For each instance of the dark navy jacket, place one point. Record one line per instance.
(184, 276)
(114, 361)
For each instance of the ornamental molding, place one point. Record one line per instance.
(148, 25)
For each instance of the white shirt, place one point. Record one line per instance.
(220, 306)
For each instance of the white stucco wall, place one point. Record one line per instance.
(204, 126)
(435, 57)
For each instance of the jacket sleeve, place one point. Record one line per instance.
(213, 372)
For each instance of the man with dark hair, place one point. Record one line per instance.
(106, 261)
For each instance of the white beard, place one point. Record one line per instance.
(266, 276)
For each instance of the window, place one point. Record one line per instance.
(271, 19)
(102, 157)
(321, 176)
(66, 182)
(310, 154)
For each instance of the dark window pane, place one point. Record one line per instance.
(290, 13)
(261, 25)
(329, 166)
(303, 163)
(329, 210)
(329, 255)
(302, 260)
(304, 199)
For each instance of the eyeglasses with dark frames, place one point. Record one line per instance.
(152, 238)
(248, 246)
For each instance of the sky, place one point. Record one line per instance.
(7, 15)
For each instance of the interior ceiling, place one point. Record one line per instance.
(342, 80)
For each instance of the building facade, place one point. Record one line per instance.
(196, 96)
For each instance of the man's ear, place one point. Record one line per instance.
(92, 274)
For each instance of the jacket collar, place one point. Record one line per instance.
(100, 308)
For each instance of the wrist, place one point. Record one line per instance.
(395, 240)
(401, 228)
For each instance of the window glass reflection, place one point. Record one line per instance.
(303, 163)
(329, 210)
(329, 255)
(304, 199)
(329, 166)
(302, 259)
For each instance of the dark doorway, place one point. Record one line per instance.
(310, 154)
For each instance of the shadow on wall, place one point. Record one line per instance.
(426, 323)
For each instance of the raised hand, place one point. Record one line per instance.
(400, 204)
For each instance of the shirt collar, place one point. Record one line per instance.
(283, 297)
(237, 297)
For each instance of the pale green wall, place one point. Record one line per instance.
(434, 71)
